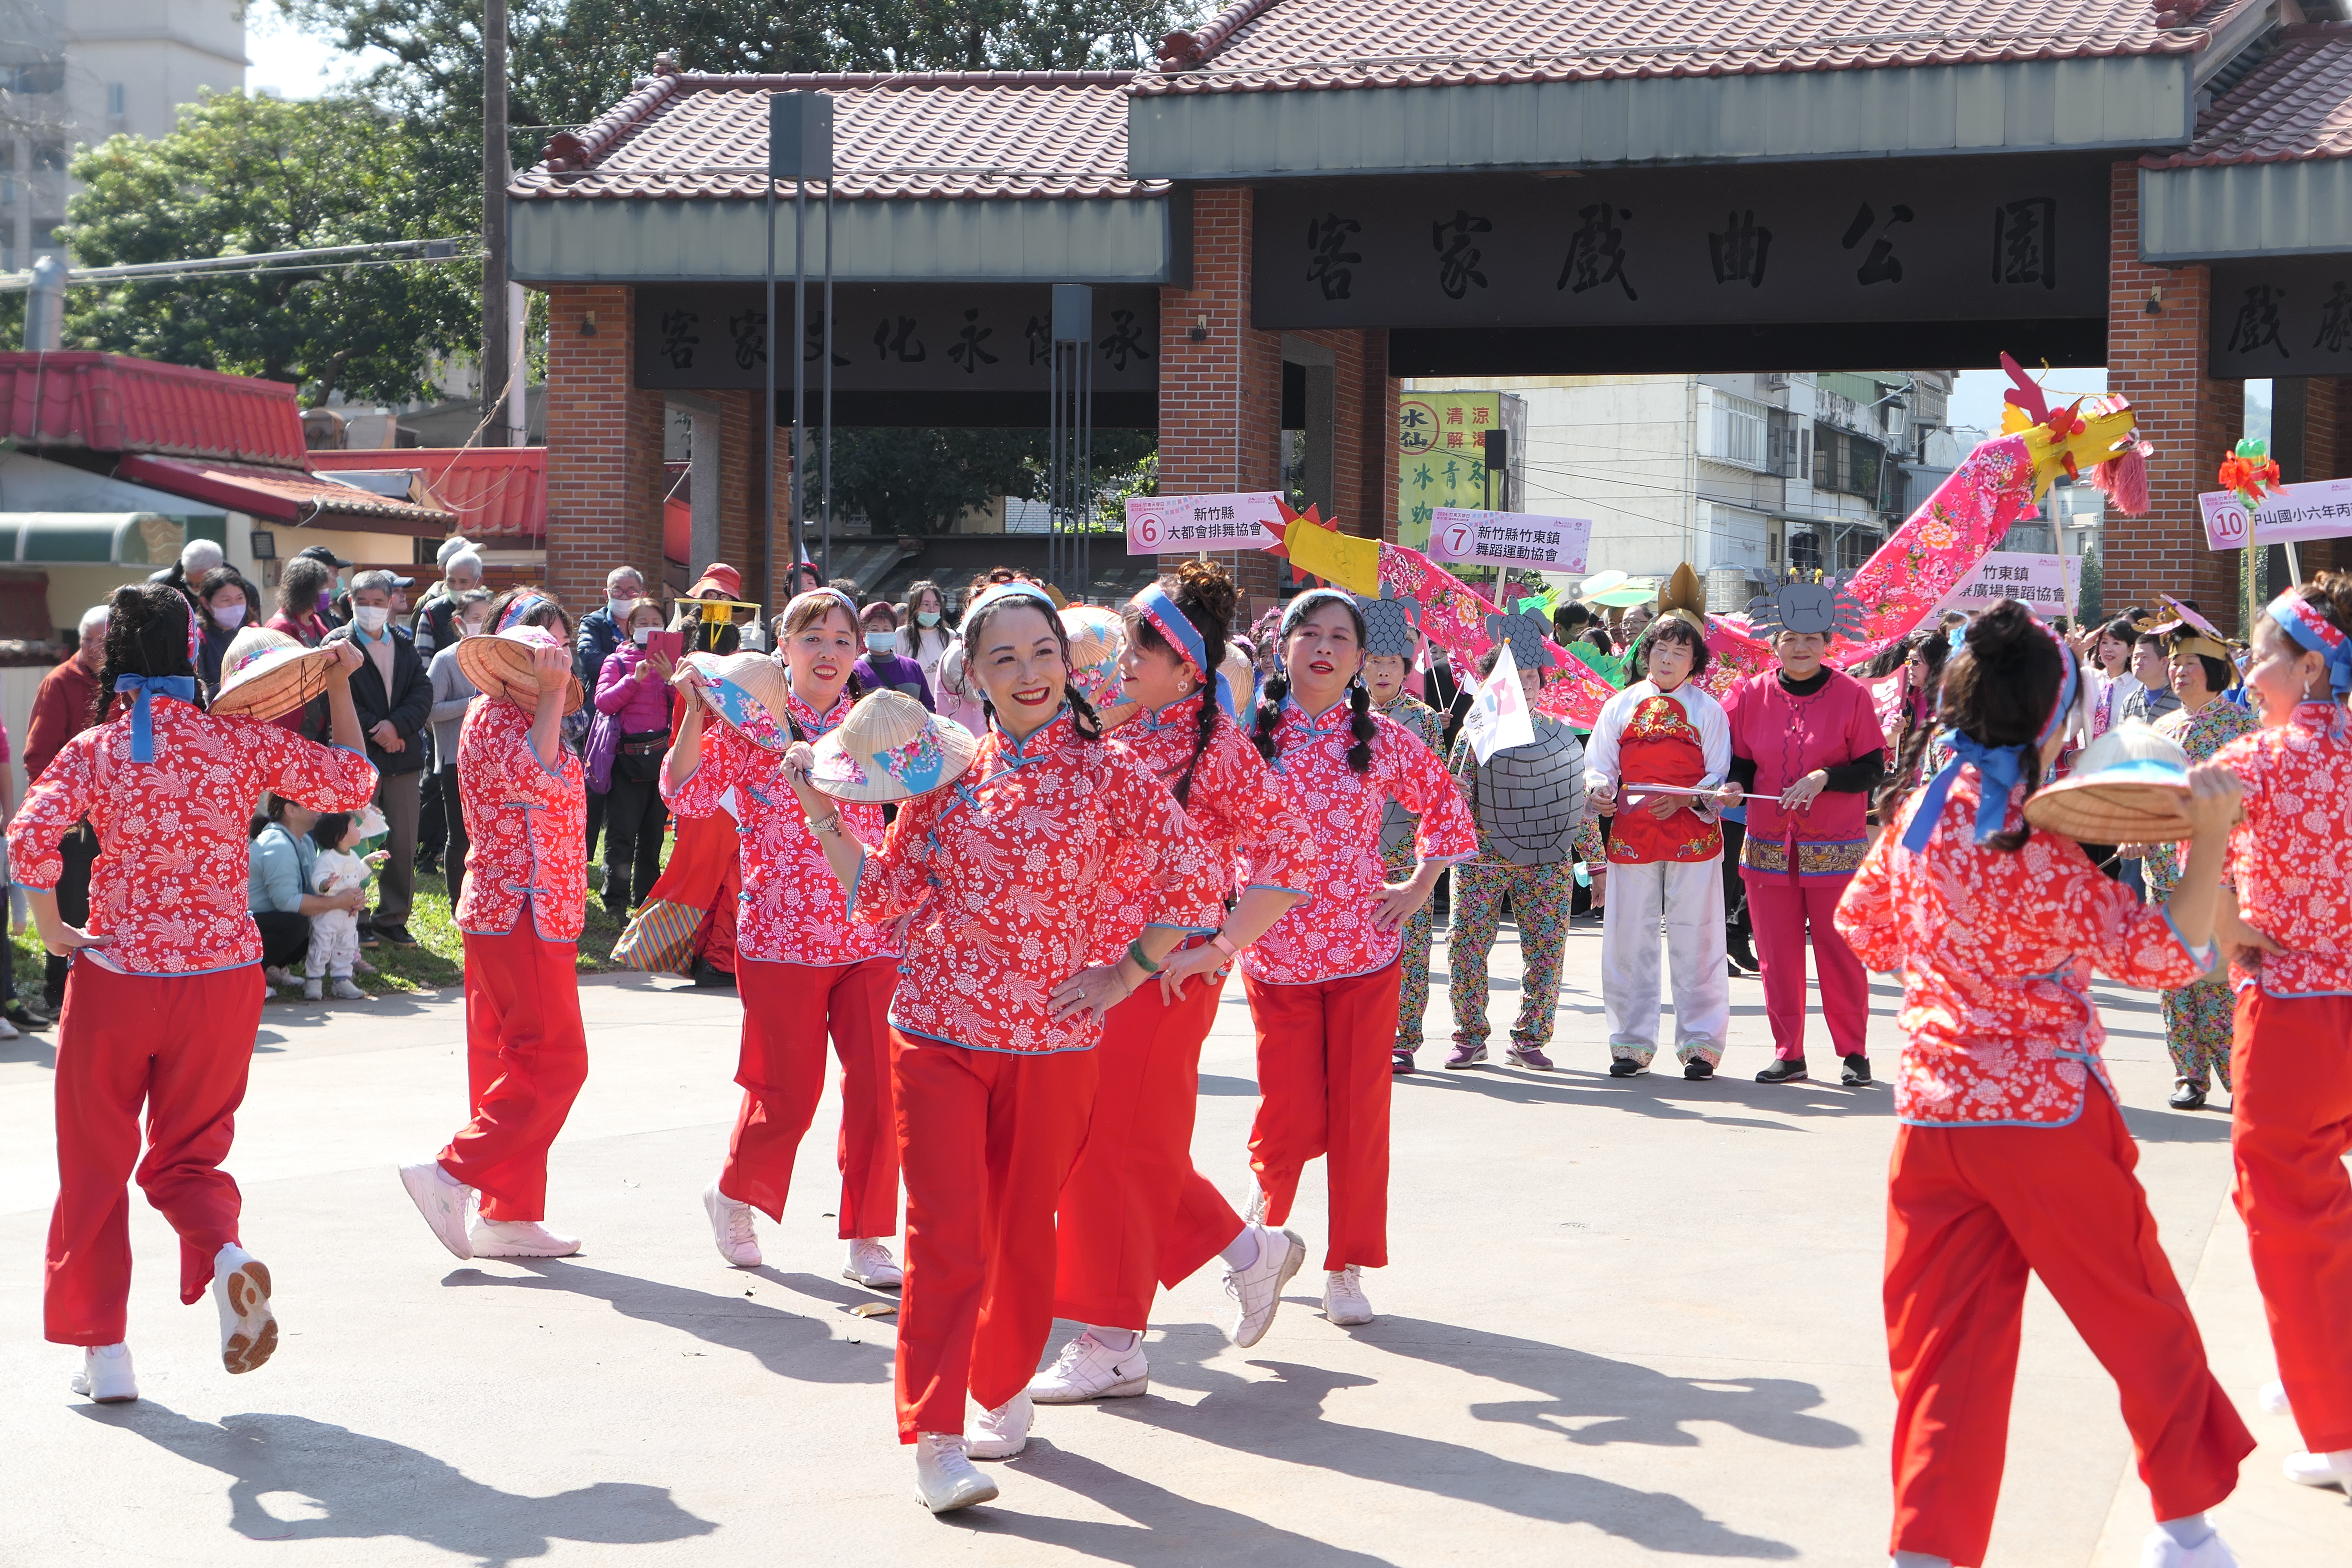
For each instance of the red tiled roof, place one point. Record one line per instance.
(111, 402)
(496, 492)
(282, 495)
(937, 134)
(2296, 104)
(1291, 45)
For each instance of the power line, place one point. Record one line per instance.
(431, 250)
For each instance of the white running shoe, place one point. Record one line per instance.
(1089, 1368)
(519, 1238)
(1256, 1214)
(8, 1031)
(1003, 1431)
(2160, 1551)
(1256, 1290)
(944, 1478)
(731, 1228)
(241, 1291)
(1344, 1301)
(2272, 1399)
(345, 990)
(105, 1377)
(2321, 1469)
(870, 1263)
(443, 1200)
(314, 990)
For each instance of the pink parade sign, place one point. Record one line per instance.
(1163, 525)
(2317, 509)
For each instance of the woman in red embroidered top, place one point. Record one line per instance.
(1323, 983)
(804, 966)
(165, 991)
(2011, 1154)
(998, 879)
(525, 895)
(2290, 933)
(1134, 1212)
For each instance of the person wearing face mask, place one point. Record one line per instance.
(225, 602)
(882, 665)
(924, 635)
(453, 694)
(394, 697)
(598, 637)
(633, 690)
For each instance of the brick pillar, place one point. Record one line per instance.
(742, 459)
(603, 447)
(2327, 453)
(2156, 359)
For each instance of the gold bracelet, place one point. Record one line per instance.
(829, 825)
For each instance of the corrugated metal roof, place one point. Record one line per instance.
(1261, 45)
(2296, 104)
(282, 495)
(112, 403)
(494, 492)
(946, 135)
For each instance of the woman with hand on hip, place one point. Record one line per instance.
(1000, 862)
(1134, 1213)
(526, 896)
(1323, 983)
(805, 968)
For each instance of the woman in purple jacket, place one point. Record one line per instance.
(633, 689)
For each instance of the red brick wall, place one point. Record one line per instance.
(2157, 360)
(603, 447)
(742, 459)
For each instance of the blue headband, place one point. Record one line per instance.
(1155, 605)
(1003, 590)
(1299, 608)
(1998, 767)
(2299, 618)
(517, 611)
(843, 600)
(143, 720)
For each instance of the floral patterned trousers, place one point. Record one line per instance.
(1540, 898)
(2198, 1024)
(1412, 992)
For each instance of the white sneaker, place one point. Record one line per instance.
(1344, 1301)
(1256, 1290)
(347, 992)
(443, 1200)
(1003, 1431)
(1089, 1368)
(2321, 1469)
(871, 1264)
(314, 990)
(2160, 1551)
(731, 1228)
(9, 1031)
(1256, 1214)
(519, 1238)
(944, 1478)
(2272, 1399)
(241, 1291)
(105, 1376)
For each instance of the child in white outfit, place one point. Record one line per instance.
(335, 933)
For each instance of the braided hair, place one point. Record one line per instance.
(1083, 717)
(1997, 690)
(1206, 595)
(146, 634)
(1360, 700)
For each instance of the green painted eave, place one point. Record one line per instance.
(2227, 212)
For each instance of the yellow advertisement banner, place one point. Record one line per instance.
(1442, 457)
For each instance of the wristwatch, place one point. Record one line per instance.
(1217, 939)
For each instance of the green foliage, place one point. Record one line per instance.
(245, 175)
(915, 481)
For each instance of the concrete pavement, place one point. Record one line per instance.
(1629, 1322)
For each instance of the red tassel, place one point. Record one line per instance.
(2124, 480)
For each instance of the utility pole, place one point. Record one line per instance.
(496, 365)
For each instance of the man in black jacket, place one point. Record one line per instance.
(395, 699)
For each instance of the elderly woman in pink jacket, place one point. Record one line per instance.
(633, 688)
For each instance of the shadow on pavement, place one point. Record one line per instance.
(1283, 1419)
(371, 1488)
(786, 1343)
(1662, 1092)
(2208, 1126)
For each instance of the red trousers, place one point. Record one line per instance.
(787, 1010)
(181, 1046)
(986, 1138)
(2290, 1127)
(1968, 1211)
(526, 1058)
(1323, 1070)
(1134, 1213)
(1781, 911)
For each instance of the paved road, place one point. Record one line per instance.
(1629, 1323)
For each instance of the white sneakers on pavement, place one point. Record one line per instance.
(519, 1238)
(871, 1264)
(241, 1291)
(105, 1377)
(2161, 1550)
(443, 1201)
(1089, 1368)
(1003, 1431)
(1344, 1301)
(731, 1228)
(944, 1478)
(2311, 1470)
(1257, 1289)
(2272, 1399)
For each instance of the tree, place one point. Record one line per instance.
(915, 481)
(243, 175)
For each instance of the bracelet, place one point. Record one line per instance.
(1217, 939)
(1135, 952)
(829, 825)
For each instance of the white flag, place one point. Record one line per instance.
(1498, 720)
